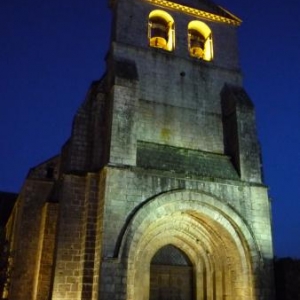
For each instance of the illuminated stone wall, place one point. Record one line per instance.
(167, 202)
(47, 240)
(163, 150)
(177, 100)
(31, 230)
(132, 27)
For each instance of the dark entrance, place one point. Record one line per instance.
(171, 275)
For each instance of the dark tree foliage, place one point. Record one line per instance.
(4, 262)
(287, 278)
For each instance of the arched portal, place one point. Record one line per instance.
(171, 275)
(216, 240)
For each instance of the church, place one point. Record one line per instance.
(158, 193)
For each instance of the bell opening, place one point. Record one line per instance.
(197, 44)
(159, 33)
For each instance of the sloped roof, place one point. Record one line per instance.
(210, 9)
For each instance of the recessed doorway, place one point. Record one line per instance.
(171, 275)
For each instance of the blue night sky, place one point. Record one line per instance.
(50, 52)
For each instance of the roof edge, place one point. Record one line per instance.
(231, 19)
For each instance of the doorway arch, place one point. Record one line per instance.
(217, 241)
(171, 275)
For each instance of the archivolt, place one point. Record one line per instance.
(214, 237)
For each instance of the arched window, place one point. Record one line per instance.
(200, 40)
(161, 30)
(171, 275)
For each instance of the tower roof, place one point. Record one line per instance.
(203, 8)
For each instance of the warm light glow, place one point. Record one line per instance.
(200, 40)
(217, 242)
(198, 13)
(161, 30)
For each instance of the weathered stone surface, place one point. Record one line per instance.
(163, 151)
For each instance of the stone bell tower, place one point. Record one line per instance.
(158, 192)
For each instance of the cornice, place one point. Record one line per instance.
(198, 13)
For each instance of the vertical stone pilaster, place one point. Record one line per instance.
(69, 255)
(25, 252)
(47, 244)
(124, 97)
(90, 237)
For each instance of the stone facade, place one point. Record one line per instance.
(163, 155)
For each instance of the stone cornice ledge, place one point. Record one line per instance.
(198, 13)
